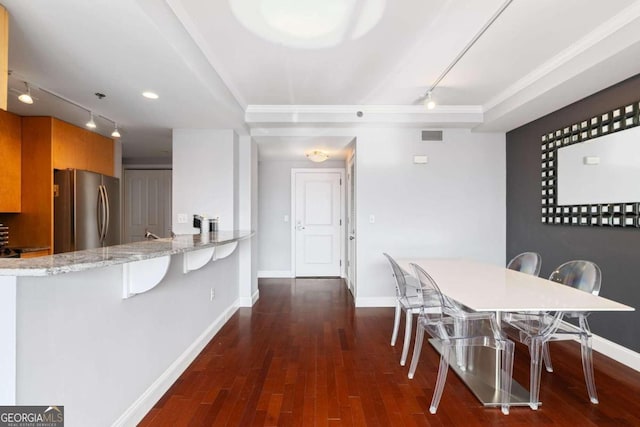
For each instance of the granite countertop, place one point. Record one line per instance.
(27, 249)
(114, 255)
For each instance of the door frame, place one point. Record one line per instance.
(292, 221)
(351, 224)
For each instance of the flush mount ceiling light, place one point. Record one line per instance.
(26, 96)
(428, 101)
(150, 95)
(91, 124)
(308, 24)
(317, 156)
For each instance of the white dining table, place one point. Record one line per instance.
(487, 287)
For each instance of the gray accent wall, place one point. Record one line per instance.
(615, 250)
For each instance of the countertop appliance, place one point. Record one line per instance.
(86, 210)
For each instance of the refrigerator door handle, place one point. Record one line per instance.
(107, 212)
(99, 215)
(103, 214)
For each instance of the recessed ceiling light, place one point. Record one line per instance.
(150, 95)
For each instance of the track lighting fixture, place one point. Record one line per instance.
(428, 102)
(115, 132)
(26, 96)
(91, 124)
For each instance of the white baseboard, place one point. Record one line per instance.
(617, 352)
(249, 301)
(134, 414)
(275, 274)
(376, 302)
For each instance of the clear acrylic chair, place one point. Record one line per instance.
(454, 328)
(536, 330)
(407, 301)
(526, 262)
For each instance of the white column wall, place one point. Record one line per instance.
(454, 206)
(247, 201)
(205, 176)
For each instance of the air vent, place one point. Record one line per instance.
(432, 135)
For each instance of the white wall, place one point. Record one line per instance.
(274, 202)
(205, 176)
(454, 206)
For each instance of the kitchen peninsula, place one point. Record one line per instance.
(106, 331)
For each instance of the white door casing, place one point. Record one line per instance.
(317, 222)
(351, 225)
(147, 203)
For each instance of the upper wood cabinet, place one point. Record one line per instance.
(76, 148)
(10, 153)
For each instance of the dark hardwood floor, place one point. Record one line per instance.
(304, 356)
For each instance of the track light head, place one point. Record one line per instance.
(429, 102)
(115, 132)
(26, 96)
(91, 124)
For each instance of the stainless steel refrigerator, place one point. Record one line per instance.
(86, 210)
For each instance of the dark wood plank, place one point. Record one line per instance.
(304, 356)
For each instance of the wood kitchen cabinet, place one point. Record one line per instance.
(10, 153)
(49, 144)
(77, 148)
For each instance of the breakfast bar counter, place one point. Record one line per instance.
(105, 332)
(120, 254)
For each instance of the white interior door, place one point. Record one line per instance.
(317, 222)
(147, 203)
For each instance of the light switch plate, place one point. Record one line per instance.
(372, 219)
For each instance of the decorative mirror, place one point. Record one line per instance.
(591, 171)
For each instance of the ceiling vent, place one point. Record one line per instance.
(432, 135)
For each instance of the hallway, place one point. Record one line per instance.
(304, 356)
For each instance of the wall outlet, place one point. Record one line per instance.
(372, 219)
(182, 218)
(212, 295)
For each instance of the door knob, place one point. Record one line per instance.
(352, 237)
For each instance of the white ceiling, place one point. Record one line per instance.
(216, 69)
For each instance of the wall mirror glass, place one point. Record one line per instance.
(601, 170)
(591, 169)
